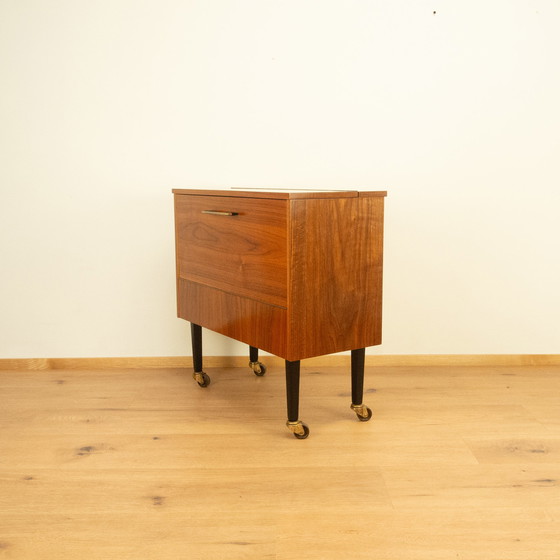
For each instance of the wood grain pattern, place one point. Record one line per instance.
(247, 320)
(121, 465)
(320, 258)
(243, 254)
(336, 269)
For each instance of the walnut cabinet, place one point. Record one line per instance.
(294, 273)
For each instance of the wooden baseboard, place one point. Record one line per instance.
(32, 364)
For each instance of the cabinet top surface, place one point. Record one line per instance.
(280, 193)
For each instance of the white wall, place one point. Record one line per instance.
(452, 106)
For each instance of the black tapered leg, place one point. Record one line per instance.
(253, 354)
(257, 367)
(196, 337)
(297, 427)
(292, 390)
(358, 362)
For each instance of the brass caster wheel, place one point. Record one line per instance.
(202, 378)
(258, 368)
(299, 429)
(362, 412)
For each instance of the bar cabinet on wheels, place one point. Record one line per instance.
(297, 274)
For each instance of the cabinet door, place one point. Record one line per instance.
(234, 244)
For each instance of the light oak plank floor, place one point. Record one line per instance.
(456, 463)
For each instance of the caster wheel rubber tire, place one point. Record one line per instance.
(305, 432)
(365, 418)
(205, 380)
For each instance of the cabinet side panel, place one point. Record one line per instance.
(335, 292)
(249, 321)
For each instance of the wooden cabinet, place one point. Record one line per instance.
(297, 274)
